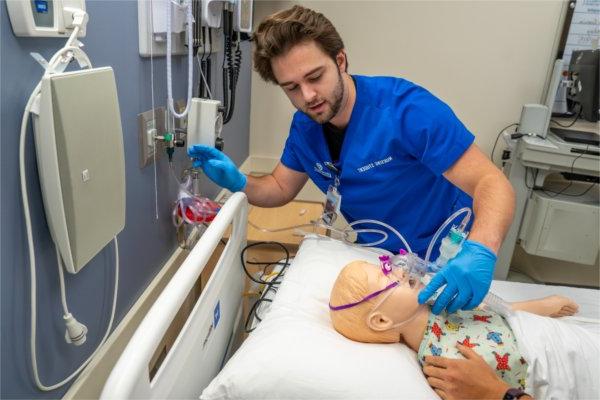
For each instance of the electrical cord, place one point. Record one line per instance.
(554, 194)
(267, 264)
(582, 193)
(231, 66)
(72, 51)
(572, 122)
(226, 85)
(498, 137)
(551, 193)
(234, 72)
(253, 312)
(270, 285)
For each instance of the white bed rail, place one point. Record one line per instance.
(202, 344)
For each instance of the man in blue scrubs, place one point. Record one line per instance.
(398, 153)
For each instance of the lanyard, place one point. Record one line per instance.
(333, 199)
(336, 170)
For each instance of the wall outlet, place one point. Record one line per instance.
(149, 124)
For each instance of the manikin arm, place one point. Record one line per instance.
(551, 306)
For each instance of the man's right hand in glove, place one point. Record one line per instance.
(218, 167)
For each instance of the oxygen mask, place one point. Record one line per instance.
(414, 269)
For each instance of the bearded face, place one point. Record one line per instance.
(311, 80)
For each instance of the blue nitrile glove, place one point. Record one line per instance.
(467, 277)
(218, 167)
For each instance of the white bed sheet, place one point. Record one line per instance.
(588, 299)
(296, 354)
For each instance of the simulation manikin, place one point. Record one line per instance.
(372, 305)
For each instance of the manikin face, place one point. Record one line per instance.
(312, 80)
(399, 305)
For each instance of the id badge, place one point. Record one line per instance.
(333, 202)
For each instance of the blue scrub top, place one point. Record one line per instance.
(399, 141)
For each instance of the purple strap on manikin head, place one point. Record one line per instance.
(369, 297)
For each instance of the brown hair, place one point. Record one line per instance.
(283, 30)
(350, 286)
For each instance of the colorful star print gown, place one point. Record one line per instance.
(486, 332)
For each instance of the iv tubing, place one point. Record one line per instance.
(444, 225)
(346, 231)
(69, 46)
(190, 60)
(287, 228)
(384, 236)
(391, 228)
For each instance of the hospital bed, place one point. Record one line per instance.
(294, 352)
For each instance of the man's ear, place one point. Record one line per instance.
(379, 322)
(342, 61)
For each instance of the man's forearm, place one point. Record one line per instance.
(493, 206)
(264, 191)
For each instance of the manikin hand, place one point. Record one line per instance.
(218, 167)
(469, 378)
(467, 277)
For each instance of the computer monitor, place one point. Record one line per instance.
(583, 93)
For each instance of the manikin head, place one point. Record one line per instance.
(381, 318)
(300, 50)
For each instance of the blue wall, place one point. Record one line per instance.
(145, 243)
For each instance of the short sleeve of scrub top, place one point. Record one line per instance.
(289, 157)
(438, 137)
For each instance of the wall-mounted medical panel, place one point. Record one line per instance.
(43, 18)
(79, 146)
(561, 227)
(152, 28)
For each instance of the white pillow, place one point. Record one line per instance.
(296, 354)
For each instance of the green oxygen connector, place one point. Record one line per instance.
(168, 139)
(456, 235)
